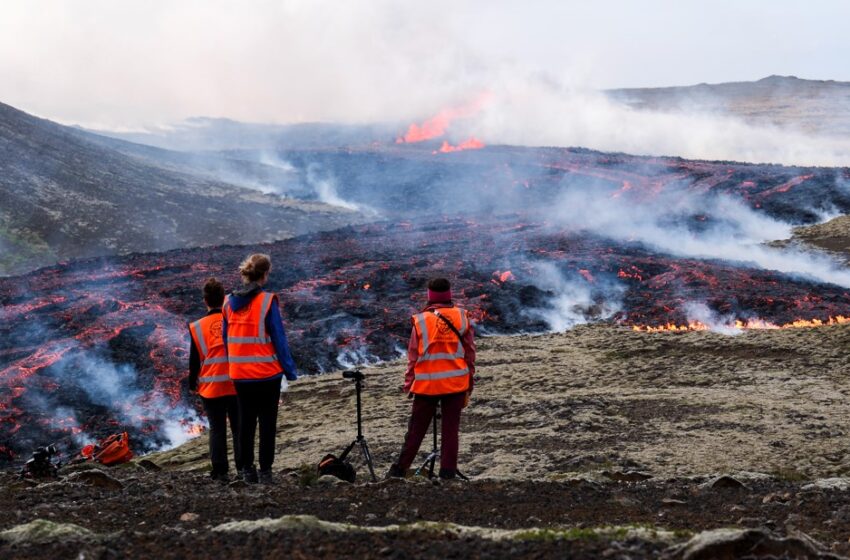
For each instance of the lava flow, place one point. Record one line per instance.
(471, 144)
(96, 345)
(751, 324)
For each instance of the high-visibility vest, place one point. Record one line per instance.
(250, 351)
(441, 368)
(213, 380)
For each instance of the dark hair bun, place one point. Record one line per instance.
(213, 293)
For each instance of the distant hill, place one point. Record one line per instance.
(204, 133)
(814, 106)
(65, 193)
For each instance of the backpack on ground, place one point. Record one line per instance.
(112, 450)
(332, 465)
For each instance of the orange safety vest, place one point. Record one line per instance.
(250, 351)
(441, 368)
(213, 381)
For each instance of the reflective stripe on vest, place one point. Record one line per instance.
(213, 379)
(441, 367)
(442, 375)
(250, 351)
(217, 379)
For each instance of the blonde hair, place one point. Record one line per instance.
(255, 267)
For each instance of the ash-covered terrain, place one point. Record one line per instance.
(67, 194)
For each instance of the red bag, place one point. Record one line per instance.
(112, 450)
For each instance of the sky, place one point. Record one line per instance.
(129, 65)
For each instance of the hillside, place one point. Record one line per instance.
(204, 133)
(600, 442)
(814, 106)
(66, 196)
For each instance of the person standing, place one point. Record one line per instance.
(258, 357)
(441, 366)
(208, 375)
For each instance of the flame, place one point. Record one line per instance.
(750, 324)
(502, 277)
(367, 286)
(195, 429)
(471, 144)
(586, 274)
(436, 126)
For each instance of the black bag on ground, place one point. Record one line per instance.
(333, 466)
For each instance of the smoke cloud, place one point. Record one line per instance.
(682, 223)
(543, 113)
(116, 388)
(698, 312)
(574, 301)
(388, 61)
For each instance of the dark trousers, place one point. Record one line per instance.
(258, 404)
(219, 410)
(421, 419)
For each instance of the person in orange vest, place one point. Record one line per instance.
(208, 375)
(258, 357)
(440, 370)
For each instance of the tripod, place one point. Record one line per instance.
(358, 377)
(432, 457)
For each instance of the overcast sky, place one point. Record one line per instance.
(122, 64)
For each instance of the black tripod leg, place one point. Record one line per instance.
(367, 456)
(347, 450)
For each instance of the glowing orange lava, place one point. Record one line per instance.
(436, 126)
(586, 274)
(751, 324)
(502, 277)
(471, 144)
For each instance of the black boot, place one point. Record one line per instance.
(448, 474)
(220, 476)
(266, 477)
(249, 475)
(395, 472)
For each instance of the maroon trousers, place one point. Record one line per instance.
(421, 419)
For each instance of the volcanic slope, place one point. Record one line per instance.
(815, 106)
(65, 196)
(599, 442)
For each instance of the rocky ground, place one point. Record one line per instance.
(600, 442)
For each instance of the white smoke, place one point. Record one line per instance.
(383, 62)
(271, 159)
(538, 113)
(116, 388)
(573, 302)
(697, 312)
(739, 233)
(325, 188)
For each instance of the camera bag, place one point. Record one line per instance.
(334, 466)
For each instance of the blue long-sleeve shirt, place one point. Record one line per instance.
(274, 329)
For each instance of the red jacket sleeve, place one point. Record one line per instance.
(412, 356)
